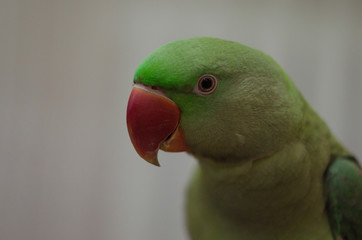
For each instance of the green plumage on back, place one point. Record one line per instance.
(268, 164)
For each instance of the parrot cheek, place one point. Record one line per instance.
(153, 123)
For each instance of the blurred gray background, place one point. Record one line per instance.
(67, 168)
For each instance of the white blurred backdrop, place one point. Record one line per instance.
(67, 168)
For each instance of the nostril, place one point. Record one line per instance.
(155, 88)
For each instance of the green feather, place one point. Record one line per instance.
(344, 189)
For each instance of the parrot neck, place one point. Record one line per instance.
(284, 189)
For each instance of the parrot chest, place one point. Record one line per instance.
(287, 203)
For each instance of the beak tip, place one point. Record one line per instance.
(153, 161)
(157, 164)
(151, 158)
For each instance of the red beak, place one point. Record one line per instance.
(152, 121)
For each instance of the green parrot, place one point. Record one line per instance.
(268, 166)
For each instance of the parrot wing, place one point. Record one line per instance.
(344, 192)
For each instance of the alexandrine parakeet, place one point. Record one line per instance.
(268, 166)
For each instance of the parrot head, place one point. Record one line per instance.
(216, 99)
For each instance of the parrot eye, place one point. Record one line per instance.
(206, 84)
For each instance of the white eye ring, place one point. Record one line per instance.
(206, 84)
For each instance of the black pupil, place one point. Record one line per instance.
(206, 83)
